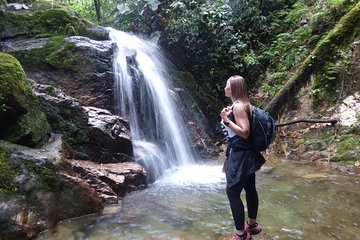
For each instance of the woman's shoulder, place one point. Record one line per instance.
(239, 106)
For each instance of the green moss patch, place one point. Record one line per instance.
(313, 143)
(8, 172)
(348, 147)
(22, 120)
(38, 57)
(45, 20)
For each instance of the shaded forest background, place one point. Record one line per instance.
(268, 42)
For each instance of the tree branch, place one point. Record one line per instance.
(332, 121)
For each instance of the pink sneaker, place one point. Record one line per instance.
(245, 236)
(253, 229)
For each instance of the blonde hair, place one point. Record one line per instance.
(239, 92)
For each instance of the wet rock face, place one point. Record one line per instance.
(40, 188)
(109, 134)
(91, 133)
(83, 70)
(112, 180)
(80, 66)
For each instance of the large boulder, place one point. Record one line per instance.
(109, 136)
(21, 118)
(37, 190)
(45, 18)
(44, 40)
(79, 66)
(90, 133)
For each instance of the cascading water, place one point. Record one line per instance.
(143, 96)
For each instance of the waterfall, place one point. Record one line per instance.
(143, 96)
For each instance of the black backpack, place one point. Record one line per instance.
(262, 129)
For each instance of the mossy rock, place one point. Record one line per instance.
(21, 118)
(45, 20)
(8, 172)
(39, 57)
(348, 149)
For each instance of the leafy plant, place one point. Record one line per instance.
(324, 86)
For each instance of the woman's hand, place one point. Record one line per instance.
(225, 112)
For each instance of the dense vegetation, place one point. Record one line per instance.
(265, 41)
(262, 40)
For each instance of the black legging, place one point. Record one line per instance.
(237, 206)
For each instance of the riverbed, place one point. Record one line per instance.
(297, 201)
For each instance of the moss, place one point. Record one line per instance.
(76, 140)
(65, 58)
(23, 122)
(12, 75)
(8, 172)
(56, 21)
(343, 33)
(45, 19)
(348, 148)
(38, 57)
(313, 143)
(55, 54)
(47, 174)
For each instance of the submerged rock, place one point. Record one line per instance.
(112, 180)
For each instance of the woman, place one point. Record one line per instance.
(242, 162)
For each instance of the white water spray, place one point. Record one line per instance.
(142, 96)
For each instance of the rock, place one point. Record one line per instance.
(91, 133)
(112, 180)
(45, 18)
(79, 66)
(195, 121)
(38, 190)
(21, 118)
(18, 6)
(261, 236)
(348, 111)
(109, 134)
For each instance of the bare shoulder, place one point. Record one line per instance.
(239, 107)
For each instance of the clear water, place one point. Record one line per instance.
(143, 95)
(297, 201)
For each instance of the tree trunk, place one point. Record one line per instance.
(97, 9)
(343, 33)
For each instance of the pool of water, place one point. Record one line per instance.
(297, 201)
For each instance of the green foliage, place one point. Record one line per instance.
(324, 86)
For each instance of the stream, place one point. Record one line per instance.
(297, 201)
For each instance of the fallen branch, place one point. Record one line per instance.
(332, 121)
(282, 124)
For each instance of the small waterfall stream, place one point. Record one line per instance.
(143, 96)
